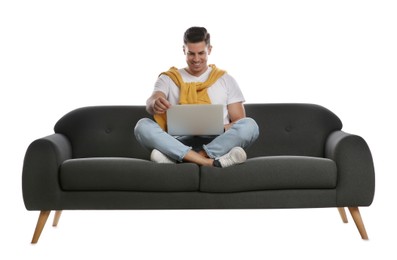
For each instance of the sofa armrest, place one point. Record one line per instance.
(40, 183)
(356, 174)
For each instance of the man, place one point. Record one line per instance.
(198, 83)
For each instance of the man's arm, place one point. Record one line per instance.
(157, 103)
(236, 112)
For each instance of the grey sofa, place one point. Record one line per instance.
(301, 159)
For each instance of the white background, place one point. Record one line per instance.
(56, 56)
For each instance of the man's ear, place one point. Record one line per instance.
(184, 49)
(209, 49)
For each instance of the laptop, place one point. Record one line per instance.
(195, 120)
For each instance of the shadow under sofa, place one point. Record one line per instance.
(302, 159)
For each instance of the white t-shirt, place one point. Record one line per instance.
(224, 91)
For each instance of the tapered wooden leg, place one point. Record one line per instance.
(342, 213)
(359, 222)
(40, 225)
(56, 217)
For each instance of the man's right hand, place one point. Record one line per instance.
(161, 105)
(157, 103)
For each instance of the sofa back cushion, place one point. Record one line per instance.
(285, 129)
(103, 131)
(291, 129)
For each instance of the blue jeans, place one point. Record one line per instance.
(150, 135)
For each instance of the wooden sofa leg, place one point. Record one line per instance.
(359, 222)
(56, 218)
(342, 213)
(40, 225)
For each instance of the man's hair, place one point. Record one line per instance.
(196, 34)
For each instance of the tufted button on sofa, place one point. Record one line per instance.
(302, 159)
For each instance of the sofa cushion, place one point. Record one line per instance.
(127, 174)
(291, 129)
(271, 173)
(103, 131)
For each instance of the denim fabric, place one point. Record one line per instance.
(150, 135)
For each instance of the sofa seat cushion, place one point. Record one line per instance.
(127, 174)
(271, 173)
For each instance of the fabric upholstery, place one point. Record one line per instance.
(301, 198)
(285, 129)
(40, 182)
(356, 180)
(291, 129)
(301, 159)
(271, 173)
(104, 131)
(127, 174)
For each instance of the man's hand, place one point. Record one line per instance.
(161, 105)
(157, 103)
(236, 112)
(228, 126)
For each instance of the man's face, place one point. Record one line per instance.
(196, 57)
